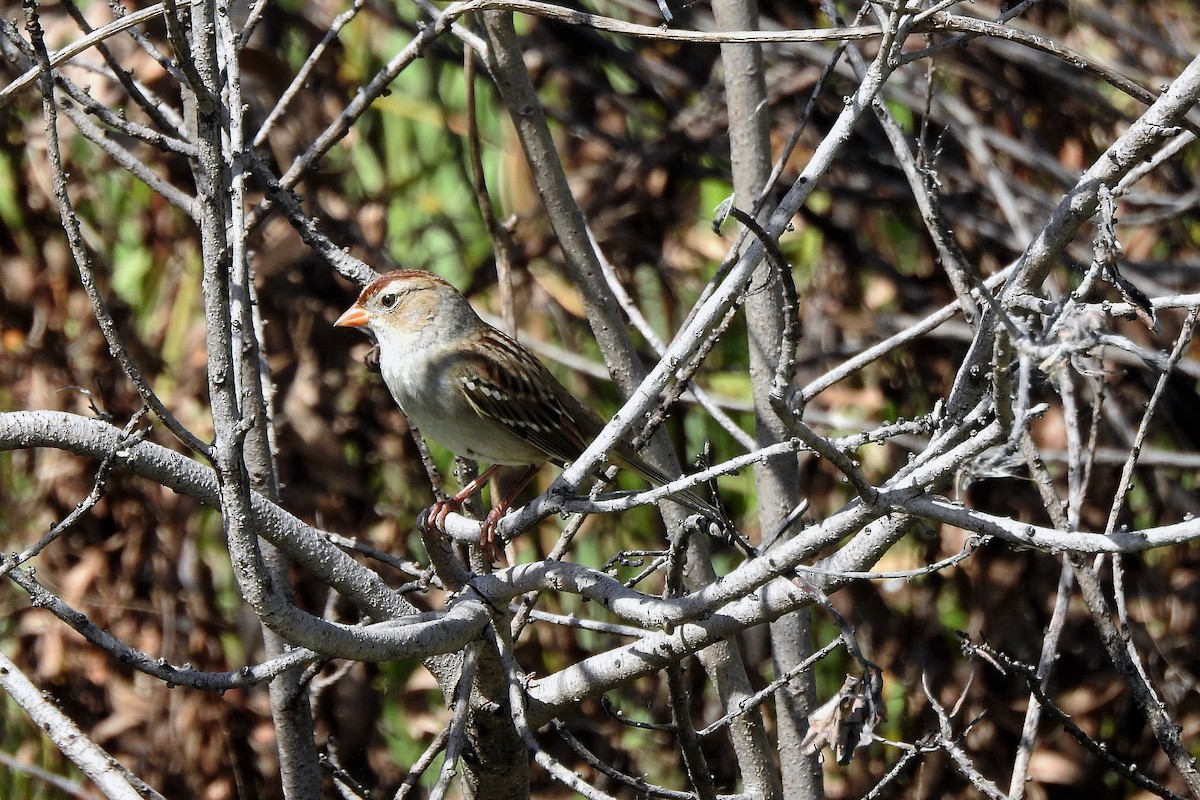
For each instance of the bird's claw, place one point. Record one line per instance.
(434, 518)
(492, 544)
(442, 509)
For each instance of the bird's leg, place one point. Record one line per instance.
(487, 533)
(439, 510)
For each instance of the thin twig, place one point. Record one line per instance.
(1034, 680)
(80, 45)
(678, 697)
(298, 82)
(767, 691)
(169, 674)
(639, 784)
(456, 730)
(122, 75)
(83, 259)
(127, 437)
(787, 359)
(418, 767)
(1126, 480)
(1166, 731)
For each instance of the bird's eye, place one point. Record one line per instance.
(389, 300)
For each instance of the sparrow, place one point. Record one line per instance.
(477, 391)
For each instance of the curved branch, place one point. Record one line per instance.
(405, 633)
(303, 543)
(1049, 539)
(114, 779)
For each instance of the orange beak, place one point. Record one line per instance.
(355, 317)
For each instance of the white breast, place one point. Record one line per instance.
(426, 391)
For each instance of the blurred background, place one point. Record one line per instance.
(642, 133)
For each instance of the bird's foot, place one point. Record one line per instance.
(489, 541)
(434, 519)
(438, 512)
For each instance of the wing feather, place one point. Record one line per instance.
(527, 399)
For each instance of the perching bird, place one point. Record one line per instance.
(477, 391)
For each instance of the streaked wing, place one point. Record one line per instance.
(535, 407)
(524, 399)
